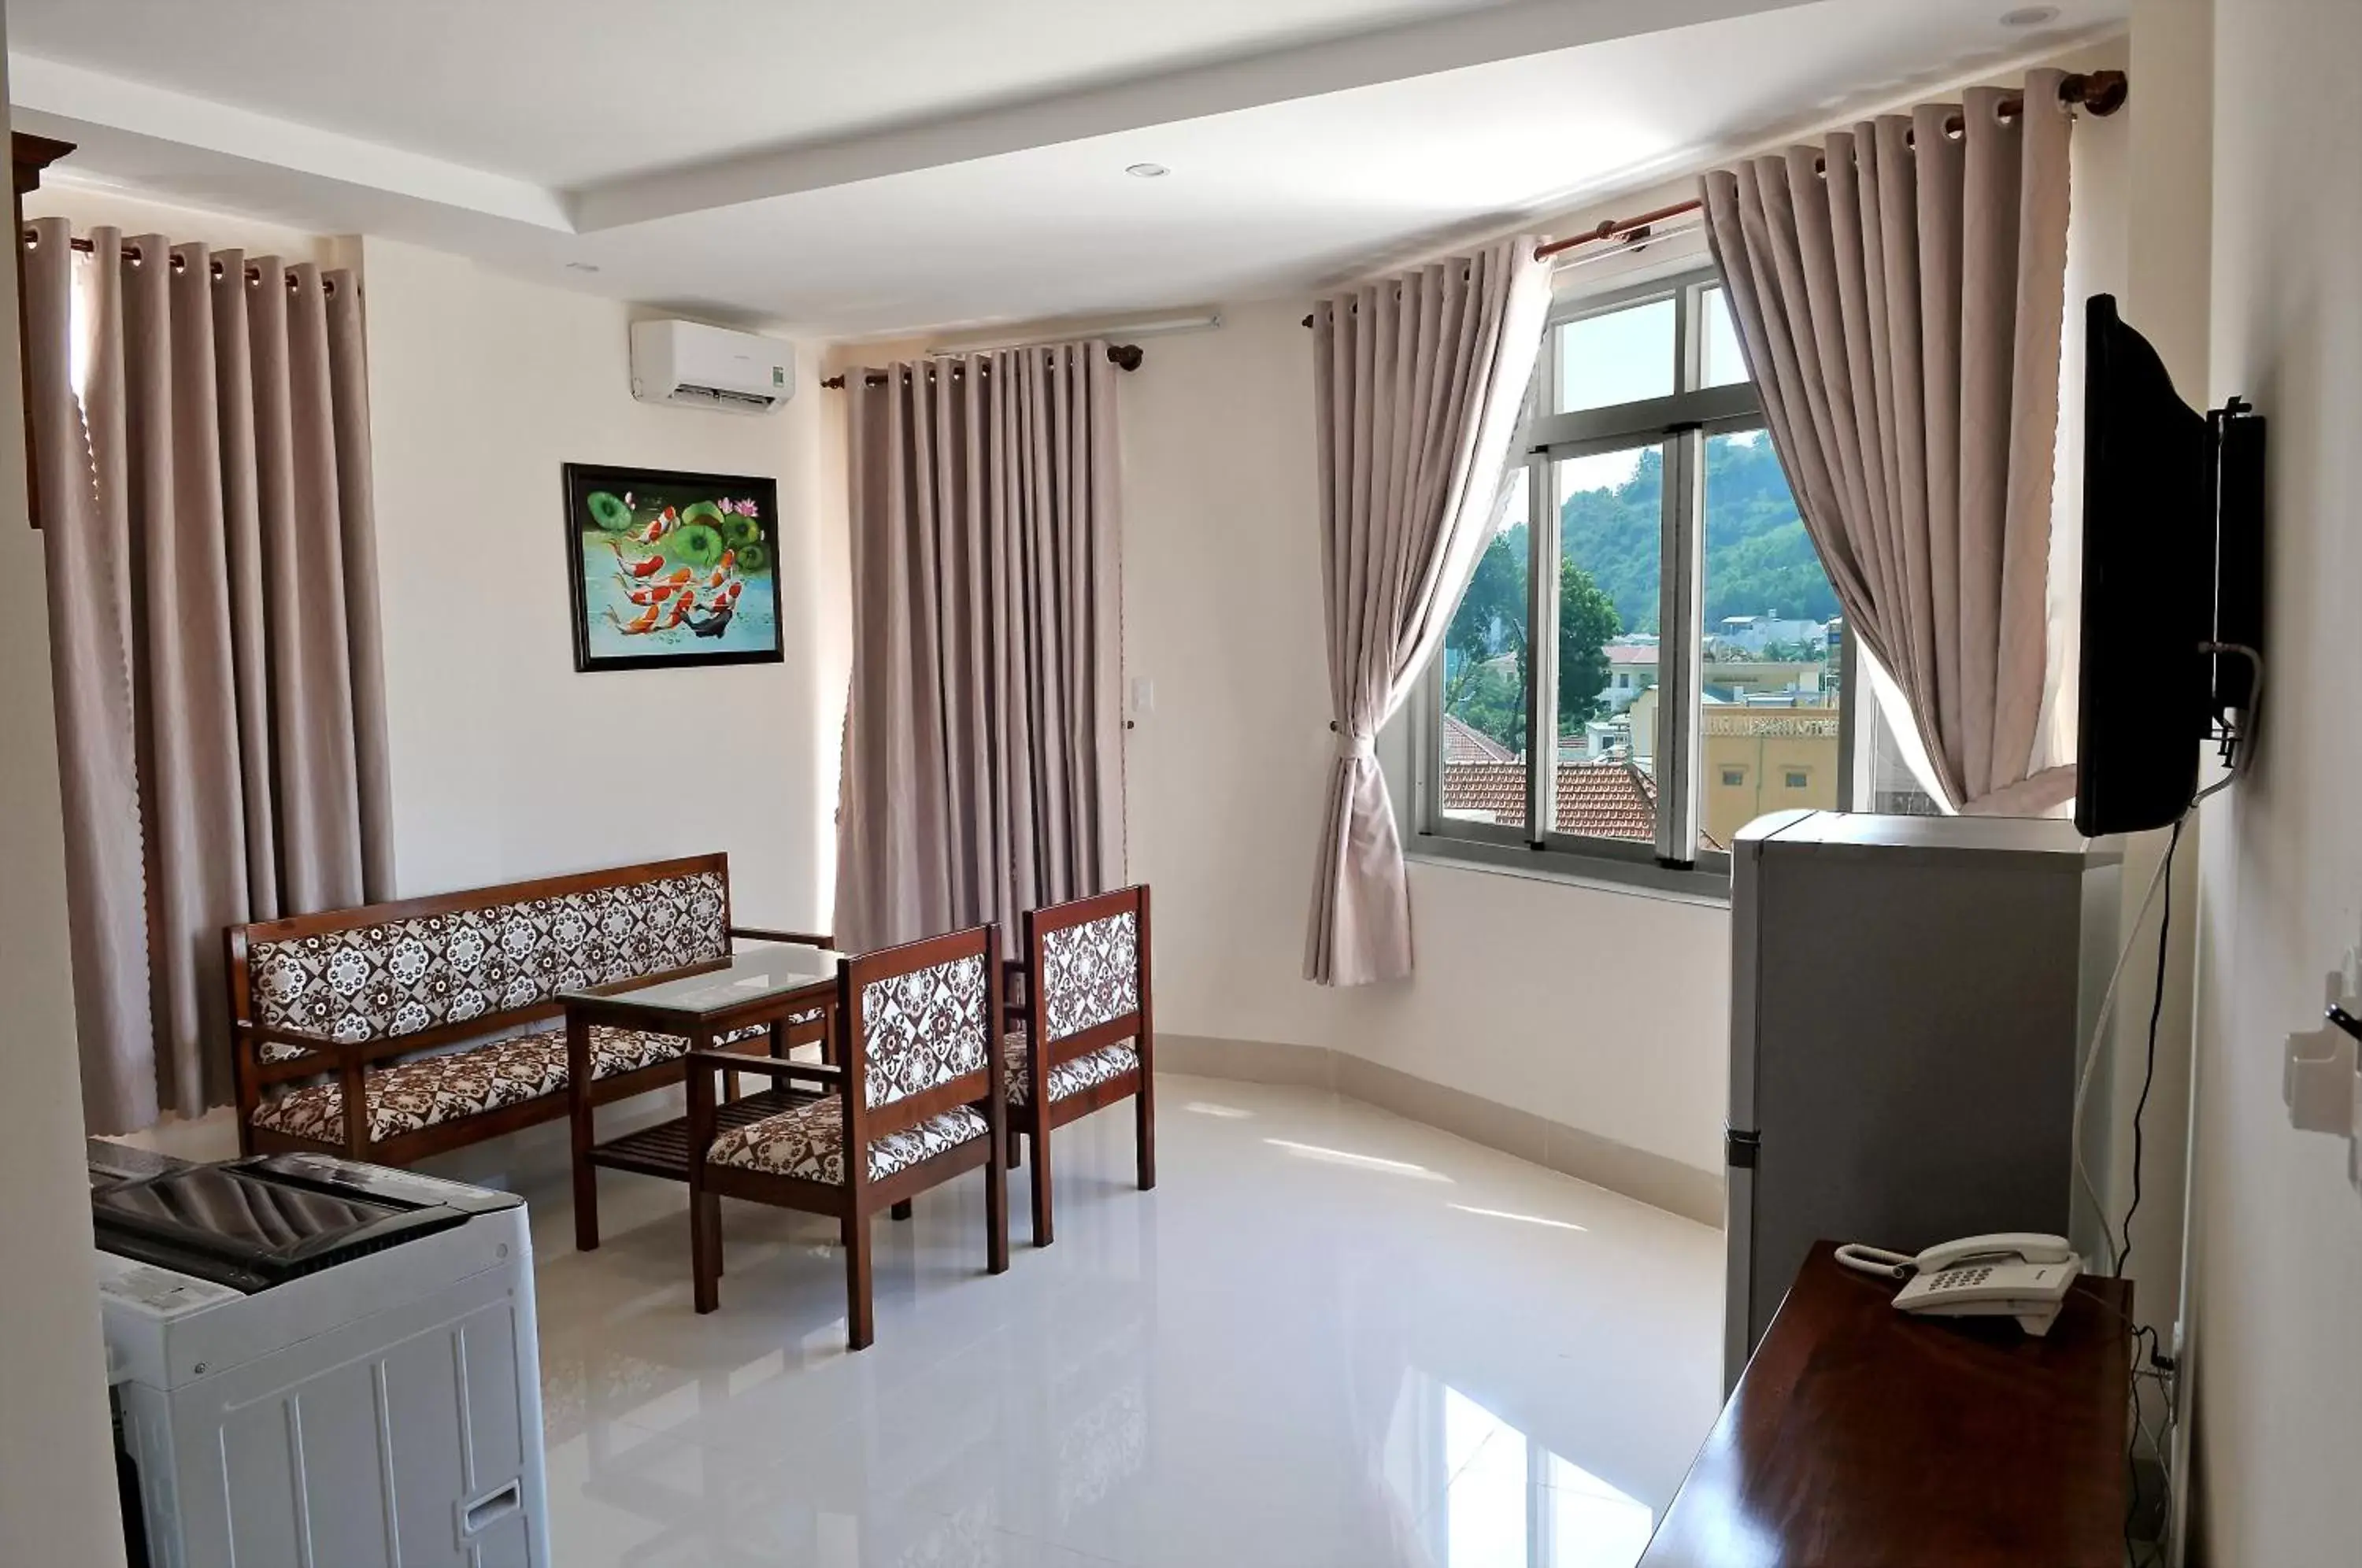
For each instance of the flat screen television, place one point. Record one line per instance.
(2172, 580)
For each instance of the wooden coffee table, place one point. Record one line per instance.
(762, 986)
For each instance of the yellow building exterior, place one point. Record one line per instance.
(1753, 760)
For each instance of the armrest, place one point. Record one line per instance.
(770, 1067)
(265, 1034)
(793, 938)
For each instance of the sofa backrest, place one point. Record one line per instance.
(455, 965)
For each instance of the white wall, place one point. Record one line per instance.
(1604, 1010)
(2279, 1379)
(507, 763)
(57, 1474)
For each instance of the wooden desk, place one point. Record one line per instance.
(1860, 1437)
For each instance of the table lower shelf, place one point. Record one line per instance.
(663, 1149)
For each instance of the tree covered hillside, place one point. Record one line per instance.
(1758, 559)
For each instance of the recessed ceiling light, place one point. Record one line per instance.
(1147, 171)
(2029, 15)
(582, 266)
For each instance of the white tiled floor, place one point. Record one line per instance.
(1329, 1337)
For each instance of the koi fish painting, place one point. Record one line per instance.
(671, 569)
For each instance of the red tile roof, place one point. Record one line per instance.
(1607, 800)
(1464, 744)
(1600, 800)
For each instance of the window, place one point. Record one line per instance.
(1648, 614)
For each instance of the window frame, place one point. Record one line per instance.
(1681, 424)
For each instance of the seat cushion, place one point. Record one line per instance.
(431, 1090)
(1070, 1077)
(808, 1143)
(273, 1051)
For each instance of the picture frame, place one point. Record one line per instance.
(670, 569)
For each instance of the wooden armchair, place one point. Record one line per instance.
(1083, 1025)
(915, 1086)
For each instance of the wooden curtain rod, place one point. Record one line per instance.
(1122, 356)
(180, 262)
(2101, 92)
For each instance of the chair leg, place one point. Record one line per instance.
(1143, 1109)
(995, 1215)
(860, 1329)
(586, 1189)
(705, 1247)
(1042, 1184)
(901, 1210)
(1016, 1148)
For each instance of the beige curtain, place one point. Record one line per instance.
(214, 627)
(983, 742)
(1418, 383)
(1899, 295)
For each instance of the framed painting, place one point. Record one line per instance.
(671, 569)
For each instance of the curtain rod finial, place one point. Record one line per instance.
(2101, 92)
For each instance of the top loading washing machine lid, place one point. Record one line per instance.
(255, 1223)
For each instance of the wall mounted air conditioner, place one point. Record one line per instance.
(691, 365)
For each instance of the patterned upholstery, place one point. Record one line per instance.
(273, 1051)
(808, 1143)
(1070, 1077)
(430, 1090)
(378, 981)
(1090, 973)
(924, 1028)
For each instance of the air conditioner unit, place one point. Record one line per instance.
(691, 365)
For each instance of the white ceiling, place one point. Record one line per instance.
(886, 167)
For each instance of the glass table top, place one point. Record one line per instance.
(751, 975)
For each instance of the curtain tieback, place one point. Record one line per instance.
(1355, 749)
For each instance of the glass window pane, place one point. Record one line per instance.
(1894, 787)
(1722, 364)
(1619, 355)
(1486, 676)
(1769, 679)
(1611, 535)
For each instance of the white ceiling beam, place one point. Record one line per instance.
(69, 93)
(1448, 42)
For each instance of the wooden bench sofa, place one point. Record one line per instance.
(423, 1009)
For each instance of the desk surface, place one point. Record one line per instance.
(1863, 1435)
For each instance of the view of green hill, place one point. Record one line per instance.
(1758, 559)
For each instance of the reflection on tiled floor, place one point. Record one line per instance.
(1329, 1337)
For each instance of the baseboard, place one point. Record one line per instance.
(1651, 1178)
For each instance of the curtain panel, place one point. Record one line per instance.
(1899, 292)
(983, 739)
(1419, 381)
(215, 644)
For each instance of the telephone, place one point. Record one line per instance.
(2010, 1275)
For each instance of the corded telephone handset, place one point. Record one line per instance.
(2010, 1275)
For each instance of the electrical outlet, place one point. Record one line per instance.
(2318, 1077)
(2318, 1081)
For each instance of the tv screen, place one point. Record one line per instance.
(2145, 692)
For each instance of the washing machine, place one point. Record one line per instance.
(322, 1363)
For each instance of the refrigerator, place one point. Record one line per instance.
(1909, 999)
